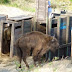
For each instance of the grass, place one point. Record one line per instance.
(23, 69)
(22, 4)
(62, 4)
(29, 5)
(54, 70)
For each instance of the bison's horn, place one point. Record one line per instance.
(53, 37)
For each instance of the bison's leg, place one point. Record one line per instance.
(20, 59)
(19, 55)
(34, 60)
(36, 51)
(42, 52)
(24, 59)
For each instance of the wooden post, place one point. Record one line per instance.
(49, 32)
(32, 24)
(37, 4)
(46, 17)
(22, 27)
(49, 26)
(58, 31)
(1, 36)
(67, 32)
(12, 41)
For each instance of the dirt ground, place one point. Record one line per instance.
(12, 11)
(11, 65)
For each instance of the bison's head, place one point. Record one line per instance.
(53, 44)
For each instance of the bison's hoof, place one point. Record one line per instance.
(20, 66)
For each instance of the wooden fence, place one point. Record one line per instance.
(62, 31)
(59, 26)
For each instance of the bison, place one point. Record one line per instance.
(6, 40)
(37, 42)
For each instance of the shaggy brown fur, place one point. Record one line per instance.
(38, 42)
(6, 40)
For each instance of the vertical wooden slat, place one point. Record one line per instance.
(1, 36)
(37, 9)
(46, 24)
(58, 31)
(67, 32)
(12, 41)
(49, 26)
(49, 32)
(32, 24)
(46, 17)
(22, 27)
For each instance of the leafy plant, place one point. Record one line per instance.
(4, 1)
(71, 0)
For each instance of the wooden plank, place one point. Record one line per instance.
(58, 31)
(1, 36)
(37, 11)
(19, 23)
(46, 18)
(19, 18)
(3, 17)
(15, 34)
(67, 32)
(22, 27)
(67, 29)
(49, 26)
(32, 24)
(12, 41)
(41, 10)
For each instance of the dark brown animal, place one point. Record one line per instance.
(38, 42)
(6, 40)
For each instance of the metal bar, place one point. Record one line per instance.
(64, 45)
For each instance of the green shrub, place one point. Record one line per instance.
(4, 1)
(71, 0)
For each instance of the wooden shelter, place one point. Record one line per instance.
(19, 25)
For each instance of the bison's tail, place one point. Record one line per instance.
(18, 49)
